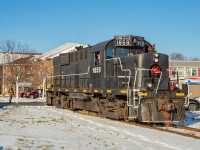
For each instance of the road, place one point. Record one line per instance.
(32, 125)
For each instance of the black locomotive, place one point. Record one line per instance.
(122, 78)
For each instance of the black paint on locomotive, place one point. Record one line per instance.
(118, 80)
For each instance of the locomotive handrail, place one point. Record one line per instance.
(143, 69)
(158, 82)
(129, 77)
(71, 74)
(187, 99)
(44, 80)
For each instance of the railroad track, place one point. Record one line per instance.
(184, 131)
(169, 128)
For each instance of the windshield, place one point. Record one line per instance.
(121, 52)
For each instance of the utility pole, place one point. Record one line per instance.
(3, 64)
(3, 79)
(3, 86)
(44, 88)
(17, 90)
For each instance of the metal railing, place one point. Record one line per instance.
(134, 83)
(44, 80)
(129, 77)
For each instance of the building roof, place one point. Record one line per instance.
(10, 57)
(65, 48)
(184, 63)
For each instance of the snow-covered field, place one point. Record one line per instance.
(33, 125)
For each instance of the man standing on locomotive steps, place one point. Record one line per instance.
(10, 92)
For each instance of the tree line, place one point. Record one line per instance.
(18, 61)
(181, 57)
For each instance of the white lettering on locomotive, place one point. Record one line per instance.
(96, 70)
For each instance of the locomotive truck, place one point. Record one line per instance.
(122, 78)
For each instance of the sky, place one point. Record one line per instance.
(173, 25)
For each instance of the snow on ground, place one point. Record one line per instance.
(192, 119)
(33, 125)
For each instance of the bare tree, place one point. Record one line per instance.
(44, 69)
(15, 59)
(194, 58)
(181, 57)
(177, 56)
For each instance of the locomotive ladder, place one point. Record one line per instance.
(128, 83)
(132, 99)
(187, 97)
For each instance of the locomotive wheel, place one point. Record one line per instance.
(126, 113)
(63, 102)
(70, 104)
(53, 101)
(56, 102)
(49, 99)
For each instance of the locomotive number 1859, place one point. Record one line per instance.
(96, 70)
(122, 42)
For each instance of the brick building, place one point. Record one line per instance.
(13, 65)
(189, 76)
(32, 68)
(188, 71)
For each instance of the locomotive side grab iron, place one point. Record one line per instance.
(122, 78)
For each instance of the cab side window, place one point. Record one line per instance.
(109, 53)
(97, 58)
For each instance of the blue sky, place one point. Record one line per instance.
(173, 25)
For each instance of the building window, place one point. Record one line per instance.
(86, 54)
(191, 71)
(194, 71)
(72, 57)
(81, 55)
(76, 56)
(188, 72)
(180, 71)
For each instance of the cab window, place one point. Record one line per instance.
(109, 53)
(97, 58)
(121, 52)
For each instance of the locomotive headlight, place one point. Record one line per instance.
(156, 55)
(155, 60)
(149, 85)
(177, 85)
